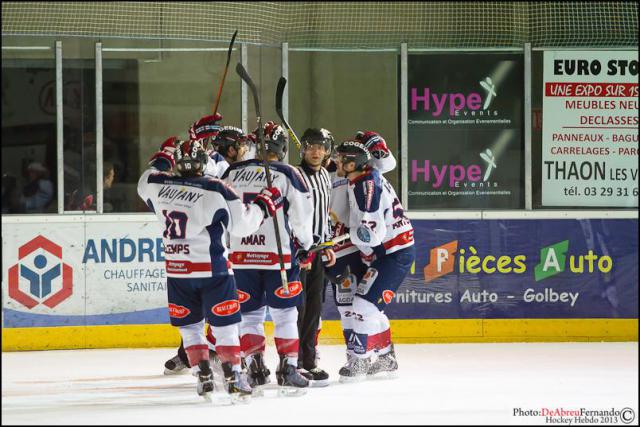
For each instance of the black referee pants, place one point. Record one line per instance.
(309, 312)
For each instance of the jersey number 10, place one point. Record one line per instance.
(175, 224)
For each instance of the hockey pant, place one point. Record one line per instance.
(376, 289)
(214, 298)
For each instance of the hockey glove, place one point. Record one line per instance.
(374, 142)
(206, 127)
(304, 258)
(269, 200)
(163, 158)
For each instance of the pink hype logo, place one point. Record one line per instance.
(456, 101)
(40, 272)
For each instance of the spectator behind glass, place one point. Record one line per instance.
(109, 175)
(38, 191)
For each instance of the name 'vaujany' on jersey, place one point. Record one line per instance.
(196, 213)
(376, 219)
(259, 250)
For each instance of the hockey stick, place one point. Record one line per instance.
(279, 94)
(329, 244)
(254, 92)
(224, 75)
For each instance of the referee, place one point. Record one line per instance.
(316, 149)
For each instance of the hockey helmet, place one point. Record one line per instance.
(354, 151)
(276, 139)
(191, 158)
(229, 136)
(318, 136)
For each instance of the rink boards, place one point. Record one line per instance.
(99, 282)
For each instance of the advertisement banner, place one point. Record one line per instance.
(465, 130)
(75, 274)
(515, 269)
(590, 128)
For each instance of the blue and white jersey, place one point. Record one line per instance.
(195, 214)
(258, 250)
(216, 165)
(339, 212)
(376, 218)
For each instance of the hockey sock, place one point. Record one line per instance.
(252, 339)
(228, 343)
(194, 342)
(251, 344)
(211, 340)
(286, 333)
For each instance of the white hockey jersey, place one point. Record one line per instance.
(258, 250)
(376, 217)
(340, 203)
(216, 165)
(196, 213)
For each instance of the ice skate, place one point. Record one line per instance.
(354, 370)
(205, 380)
(316, 376)
(385, 366)
(175, 366)
(290, 381)
(257, 373)
(236, 384)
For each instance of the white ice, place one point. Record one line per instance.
(437, 384)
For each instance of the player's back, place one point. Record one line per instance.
(371, 196)
(194, 215)
(259, 250)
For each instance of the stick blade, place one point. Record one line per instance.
(282, 83)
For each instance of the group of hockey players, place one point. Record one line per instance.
(217, 212)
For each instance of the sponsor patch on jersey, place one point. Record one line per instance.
(363, 234)
(226, 308)
(294, 290)
(243, 296)
(178, 311)
(387, 296)
(367, 281)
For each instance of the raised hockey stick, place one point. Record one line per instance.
(224, 75)
(254, 92)
(329, 244)
(279, 93)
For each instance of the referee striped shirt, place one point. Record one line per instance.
(319, 183)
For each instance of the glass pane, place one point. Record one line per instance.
(150, 96)
(345, 92)
(79, 134)
(29, 159)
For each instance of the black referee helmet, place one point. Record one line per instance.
(320, 136)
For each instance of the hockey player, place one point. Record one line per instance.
(195, 211)
(230, 143)
(384, 236)
(349, 268)
(256, 263)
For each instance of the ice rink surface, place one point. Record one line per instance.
(437, 384)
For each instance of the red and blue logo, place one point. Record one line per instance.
(42, 272)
